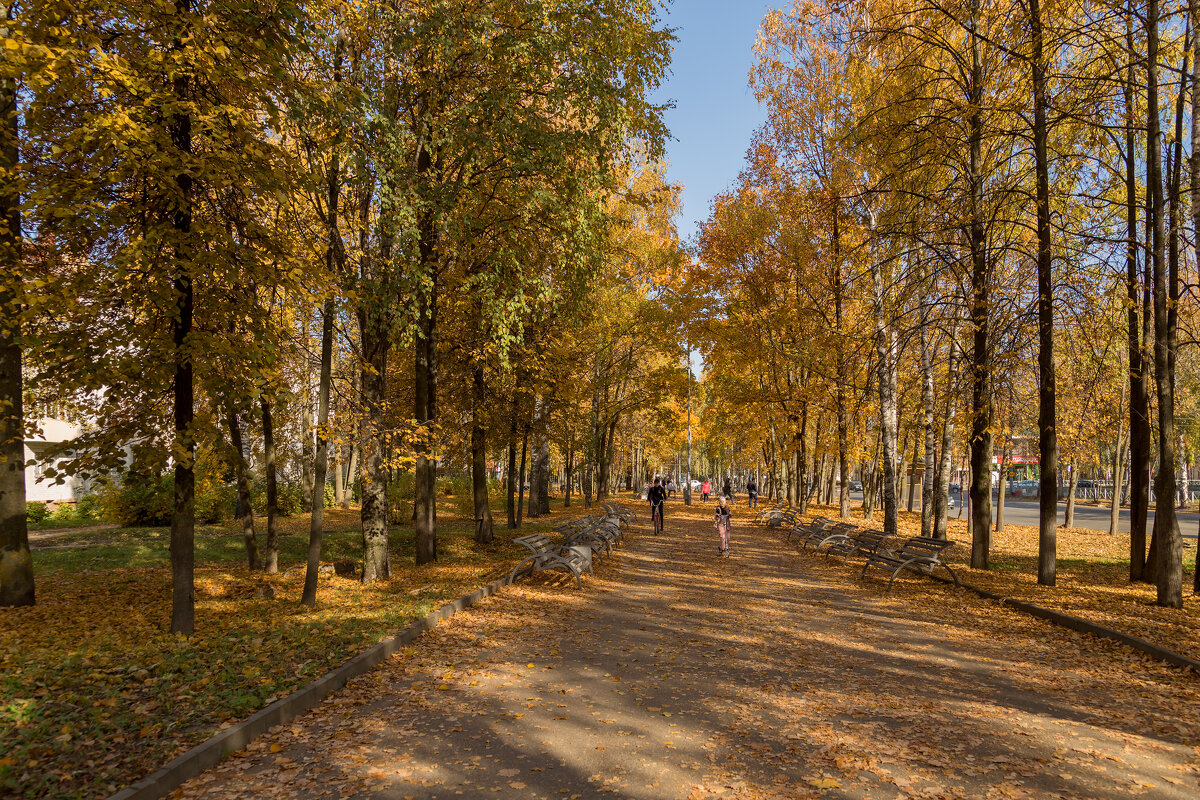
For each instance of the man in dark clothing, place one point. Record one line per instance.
(727, 490)
(752, 490)
(656, 496)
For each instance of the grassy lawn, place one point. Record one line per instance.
(94, 693)
(1092, 581)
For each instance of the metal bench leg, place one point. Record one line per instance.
(518, 572)
(952, 575)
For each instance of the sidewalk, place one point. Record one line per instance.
(677, 675)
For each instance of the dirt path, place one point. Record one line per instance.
(767, 675)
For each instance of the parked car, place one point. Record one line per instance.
(695, 484)
(856, 486)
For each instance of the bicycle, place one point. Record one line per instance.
(656, 514)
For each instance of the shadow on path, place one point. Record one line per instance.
(675, 674)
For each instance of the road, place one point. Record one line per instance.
(1025, 512)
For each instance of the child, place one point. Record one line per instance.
(723, 518)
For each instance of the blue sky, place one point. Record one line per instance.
(715, 112)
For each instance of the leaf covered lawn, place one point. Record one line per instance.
(1093, 578)
(95, 693)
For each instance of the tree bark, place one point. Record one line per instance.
(245, 510)
(1139, 392)
(425, 365)
(1047, 398)
(307, 447)
(511, 476)
(183, 518)
(321, 459)
(376, 342)
(521, 476)
(484, 530)
(1072, 487)
(16, 563)
(1169, 572)
(334, 265)
(982, 410)
(271, 556)
(941, 506)
(1003, 490)
(930, 454)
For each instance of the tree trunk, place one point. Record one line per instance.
(334, 265)
(339, 485)
(245, 512)
(885, 350)
(321, 461)
(543, 490)
(16, 563)
(1118, 472)
(484, 530)
(1072, 486)
(510, 488)
(802, 461)
(183, 518)
(1003, 490)
(569, 476)
(376, 342)
(1169, 572)
(307, 448)
(425, 363)
(1139, 390)
(271, 556)
(1194, 18)
(927, 400)
(941, 506)
(521, 476)
(1047, 431)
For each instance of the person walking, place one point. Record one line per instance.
(672, 487)
(727, 489)
(723, 518)
(752, 490)
(705, 490)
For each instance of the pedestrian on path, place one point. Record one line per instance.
(705, 490)
(752, 490)
(727, 489)
(656, 495)
(723, 519)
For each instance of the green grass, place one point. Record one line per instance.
(94, 690)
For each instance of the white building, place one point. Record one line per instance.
(38, 488)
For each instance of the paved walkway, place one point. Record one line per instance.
(767, 675)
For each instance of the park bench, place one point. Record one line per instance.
(783, 518)
(622, 512)
(602, 534)
(545, 555)
(766, 513)
(864, 540)
(805, 529)
(820, 535)
(919, 554)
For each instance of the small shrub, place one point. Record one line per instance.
(65, 512)
(400, 493)
(460, 486)
(36, 512)
(135, 499)
(289, 498)
(88, 507)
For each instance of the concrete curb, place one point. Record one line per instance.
(1083, 626)
(209, 754)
